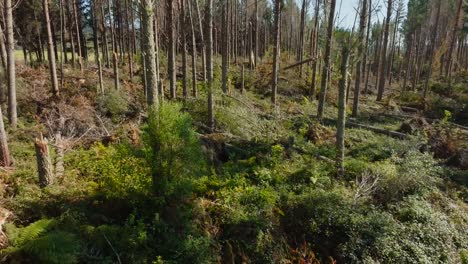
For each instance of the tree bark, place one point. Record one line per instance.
(171, 64)
(50, 50)
(383, 64)
(5, 158)
(276, 50)
(202, 41)
(209, 61)
(44, 164)
(12, 112)
(194, 52)
(225, 44)
(341, 122)
(148, 52)
(326, 71)
(432, 50)
(315, 51)
(300, 53)
(360, 60)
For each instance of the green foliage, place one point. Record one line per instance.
(42, 243)
(173, 150)
(114, 103)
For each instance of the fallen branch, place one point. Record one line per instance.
(377, 130)
(113, 249)
(298, 64)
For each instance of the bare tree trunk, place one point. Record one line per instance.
(12, 113)
(243, 79)
(209, 61)
(341, 122)
(194, 52)
(225, 43)
(276, 50)
(44, 163)
(147, 10)
(183, 25)
(115, 65)
(432, 50)
(96, 46)
(456, 28)
(3, 48)
(315, 51)
(171, 65)
(156, 57)
(326, 67)
(383, 64)
(256, 34)
(392, 52)
(360, 60)
(63, 51)
(129, 33)
(366, 62)
(202, 41)
(300, 53)
(50, 50)
(5, 158)
(78, 38)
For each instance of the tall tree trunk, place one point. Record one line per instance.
(129, 37)
(225, 43)
(383, 64)
(171, 65)
(326, 67)
(3, 48)
(96, 46)
(194, 51)
(115, 65)
(432, 49)
(104, 35)
(209, 61)
(360, 60)
(202, 41)
(256, 34)
(183, 25)
(315, 50)
(78, 37)
(300, 52)
(276, 50)
(5, 158)
(367, 64)
(392, 51)
(12, 113)
(453, 39)
(341, 122)
(147, 12)
(50, 50)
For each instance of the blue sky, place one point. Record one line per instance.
(348, 11)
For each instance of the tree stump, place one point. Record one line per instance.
(59, 157)
(44, 164)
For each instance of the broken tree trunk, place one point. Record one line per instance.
(44, 165)
(59, 156)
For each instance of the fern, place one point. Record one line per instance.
(54, 247)
(41, 243)
(32, 231)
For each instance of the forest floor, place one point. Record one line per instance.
(268, 192)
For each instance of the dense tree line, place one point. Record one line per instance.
(139, 36)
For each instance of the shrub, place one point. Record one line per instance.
(114, 103)
(172, 148)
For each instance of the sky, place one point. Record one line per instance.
(348, 11)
